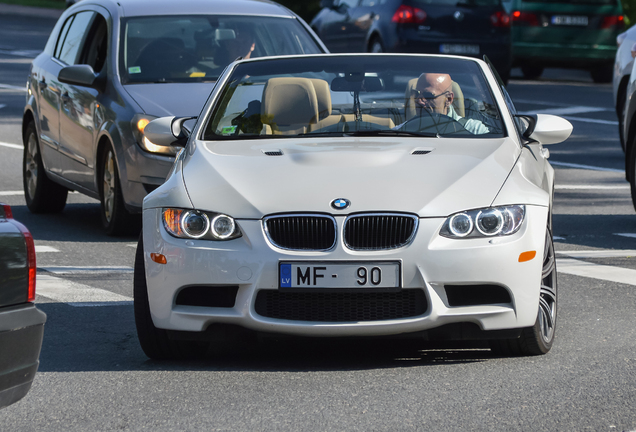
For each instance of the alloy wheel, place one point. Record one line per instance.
(108, 188)
(548, 294)
(31, 166)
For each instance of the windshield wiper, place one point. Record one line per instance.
(391, 132)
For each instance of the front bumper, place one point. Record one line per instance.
(429, 263)
(21, 331)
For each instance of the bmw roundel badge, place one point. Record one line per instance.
(340, 203)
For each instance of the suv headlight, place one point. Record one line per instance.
(487, 222)
(195, 224)
(139, 123)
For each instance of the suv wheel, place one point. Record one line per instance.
(41, 193)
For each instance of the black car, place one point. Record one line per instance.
(462, 27)
(21, 323)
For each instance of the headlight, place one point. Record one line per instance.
(139, 123)
(488, 222)
(195, 224)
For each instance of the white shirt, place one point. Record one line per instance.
(471, 125)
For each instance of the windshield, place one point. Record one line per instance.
(198, 48)
(355, 95)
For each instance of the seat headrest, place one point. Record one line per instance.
(289, 101)
(323, 94)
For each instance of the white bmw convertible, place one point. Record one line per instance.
(352, 195)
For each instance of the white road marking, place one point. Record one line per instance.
(589, 120)
(570, 110)
(558, 238)
(15, 146)
(11, 193)
(605, 253)
(596, 271)
(2, 106)
(587, 167)
(12, 87)
(592, 187)
(62, 270)
(42, 249)
(630, 235)
(75, 294)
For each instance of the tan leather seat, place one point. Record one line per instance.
(323, 95)
(409, 103)
(289, 106)
(380, 121)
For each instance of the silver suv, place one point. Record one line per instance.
(112, 66)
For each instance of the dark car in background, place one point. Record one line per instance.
(112, 66)
(565, 33)
(21, 323)
(464, 27)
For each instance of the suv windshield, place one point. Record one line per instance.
(355, 95)
(198, 48)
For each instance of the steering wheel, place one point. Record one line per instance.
(434, 122)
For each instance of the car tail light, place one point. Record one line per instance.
(500, 19)
(409, 15)
(616, 21)
(525, 18)
(30, 245)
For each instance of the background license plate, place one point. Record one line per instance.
(458, 49)
(569, 20)
(341, 275)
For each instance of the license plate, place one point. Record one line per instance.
(458, 49)
(568, 20)
(385, 274)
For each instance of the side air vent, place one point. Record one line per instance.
(272, 152)
(476, 295)
(420, 152)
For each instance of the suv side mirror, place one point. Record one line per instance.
(82, 75)
(543, 128)
(168, 131)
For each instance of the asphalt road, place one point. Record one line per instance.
(94, 377)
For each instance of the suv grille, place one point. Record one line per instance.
(340, 306)
(379, 231)
(301, 232)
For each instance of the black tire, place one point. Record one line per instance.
(531, 71)
(631, 170)
(603, 73)
(538, 339)
(41, 193)
(155, 341)
(376, 46)
(116, 219)
(620, 112)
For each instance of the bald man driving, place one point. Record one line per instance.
(433, 93)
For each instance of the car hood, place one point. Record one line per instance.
(238, 178)
(168, 99)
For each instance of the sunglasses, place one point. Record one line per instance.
(429, 97)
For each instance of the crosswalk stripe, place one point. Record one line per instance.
(604, 253)
(76, 294)
(66, 270)
(43, 249)
(586, 269)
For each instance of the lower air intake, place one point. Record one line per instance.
(341, 306)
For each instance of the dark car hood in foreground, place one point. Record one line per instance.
(178, 99)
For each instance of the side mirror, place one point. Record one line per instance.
(168, 131)
(543, 128)
(82, 75)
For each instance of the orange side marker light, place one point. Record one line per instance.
(527, 256)
(158, 258)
